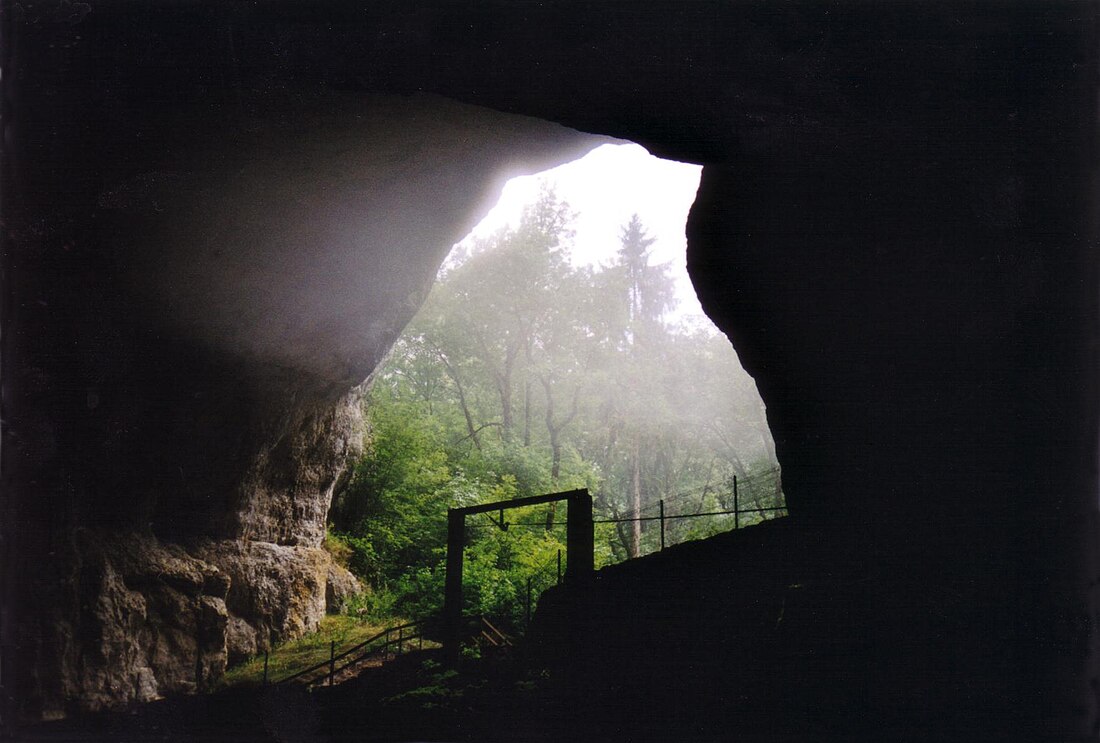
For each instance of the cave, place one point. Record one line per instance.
(218, 217)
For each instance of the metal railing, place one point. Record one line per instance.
(738, 509)
(490, 634)
(389, 641)
(754, 504)
(378, 645)
(383, 642)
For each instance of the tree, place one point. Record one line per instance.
(613, 398)
(648, 295)
(490, 305)
(650, 292)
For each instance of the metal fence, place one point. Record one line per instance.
(397, 639)
(740, 506)
(392, 640)
(746, 498)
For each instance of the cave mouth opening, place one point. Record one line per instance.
(562, 346)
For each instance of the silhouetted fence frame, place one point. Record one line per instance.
(579, 543)
(383, 641)
(662, 517)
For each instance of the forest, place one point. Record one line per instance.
(525, 373)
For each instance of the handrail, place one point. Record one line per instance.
(495, 634)
(331, 669)
(501, 638)
(354, 648)
(389, 643)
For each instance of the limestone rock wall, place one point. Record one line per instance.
(275, 591)
(285, 495)
(133, 619)
(194, 308)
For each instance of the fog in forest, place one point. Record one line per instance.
(559, 349)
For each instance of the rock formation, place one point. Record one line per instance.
(200, 339)
(136, 619)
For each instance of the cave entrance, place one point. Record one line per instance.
(562, 347)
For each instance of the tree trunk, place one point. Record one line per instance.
(555, 470)
(555, 451)
(624, 539)
(550, 513)
(555, 429)
(527, 412)
(636, 502)
(555, 456)
(504, 386)
(466, 414)
(453, 374)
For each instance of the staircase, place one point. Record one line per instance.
(370, 653)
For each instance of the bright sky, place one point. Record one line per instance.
(605, 187)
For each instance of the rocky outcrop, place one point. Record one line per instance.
(188, 358)
(139, 619)
(135, 619)
(276, 591)
(285, 495)
(341, 587)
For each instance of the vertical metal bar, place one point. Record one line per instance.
(265, 668)
(736, 507)
(527, 623)
(559, 567)
(332, 663)
(400, 639)
(579, 538)
(452, 592)
(662, 504)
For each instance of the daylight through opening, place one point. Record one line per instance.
(562, 347)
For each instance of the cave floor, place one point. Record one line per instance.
(493, 699)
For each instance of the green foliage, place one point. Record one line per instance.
(297, 655)
(338, 548)
(523, 374)
(498, 565)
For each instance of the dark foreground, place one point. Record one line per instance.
(760, 635)
(413, 699)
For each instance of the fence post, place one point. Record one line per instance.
(332, 663)
(736, 507)
(265, 668)
(579, 538)
(662, 504)
(400, 639)
(452, 587)
(527, 623)
(559, 567)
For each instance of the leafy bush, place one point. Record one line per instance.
(337, 546)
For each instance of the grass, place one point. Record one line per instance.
(302, 653)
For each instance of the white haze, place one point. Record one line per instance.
(605, 187)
